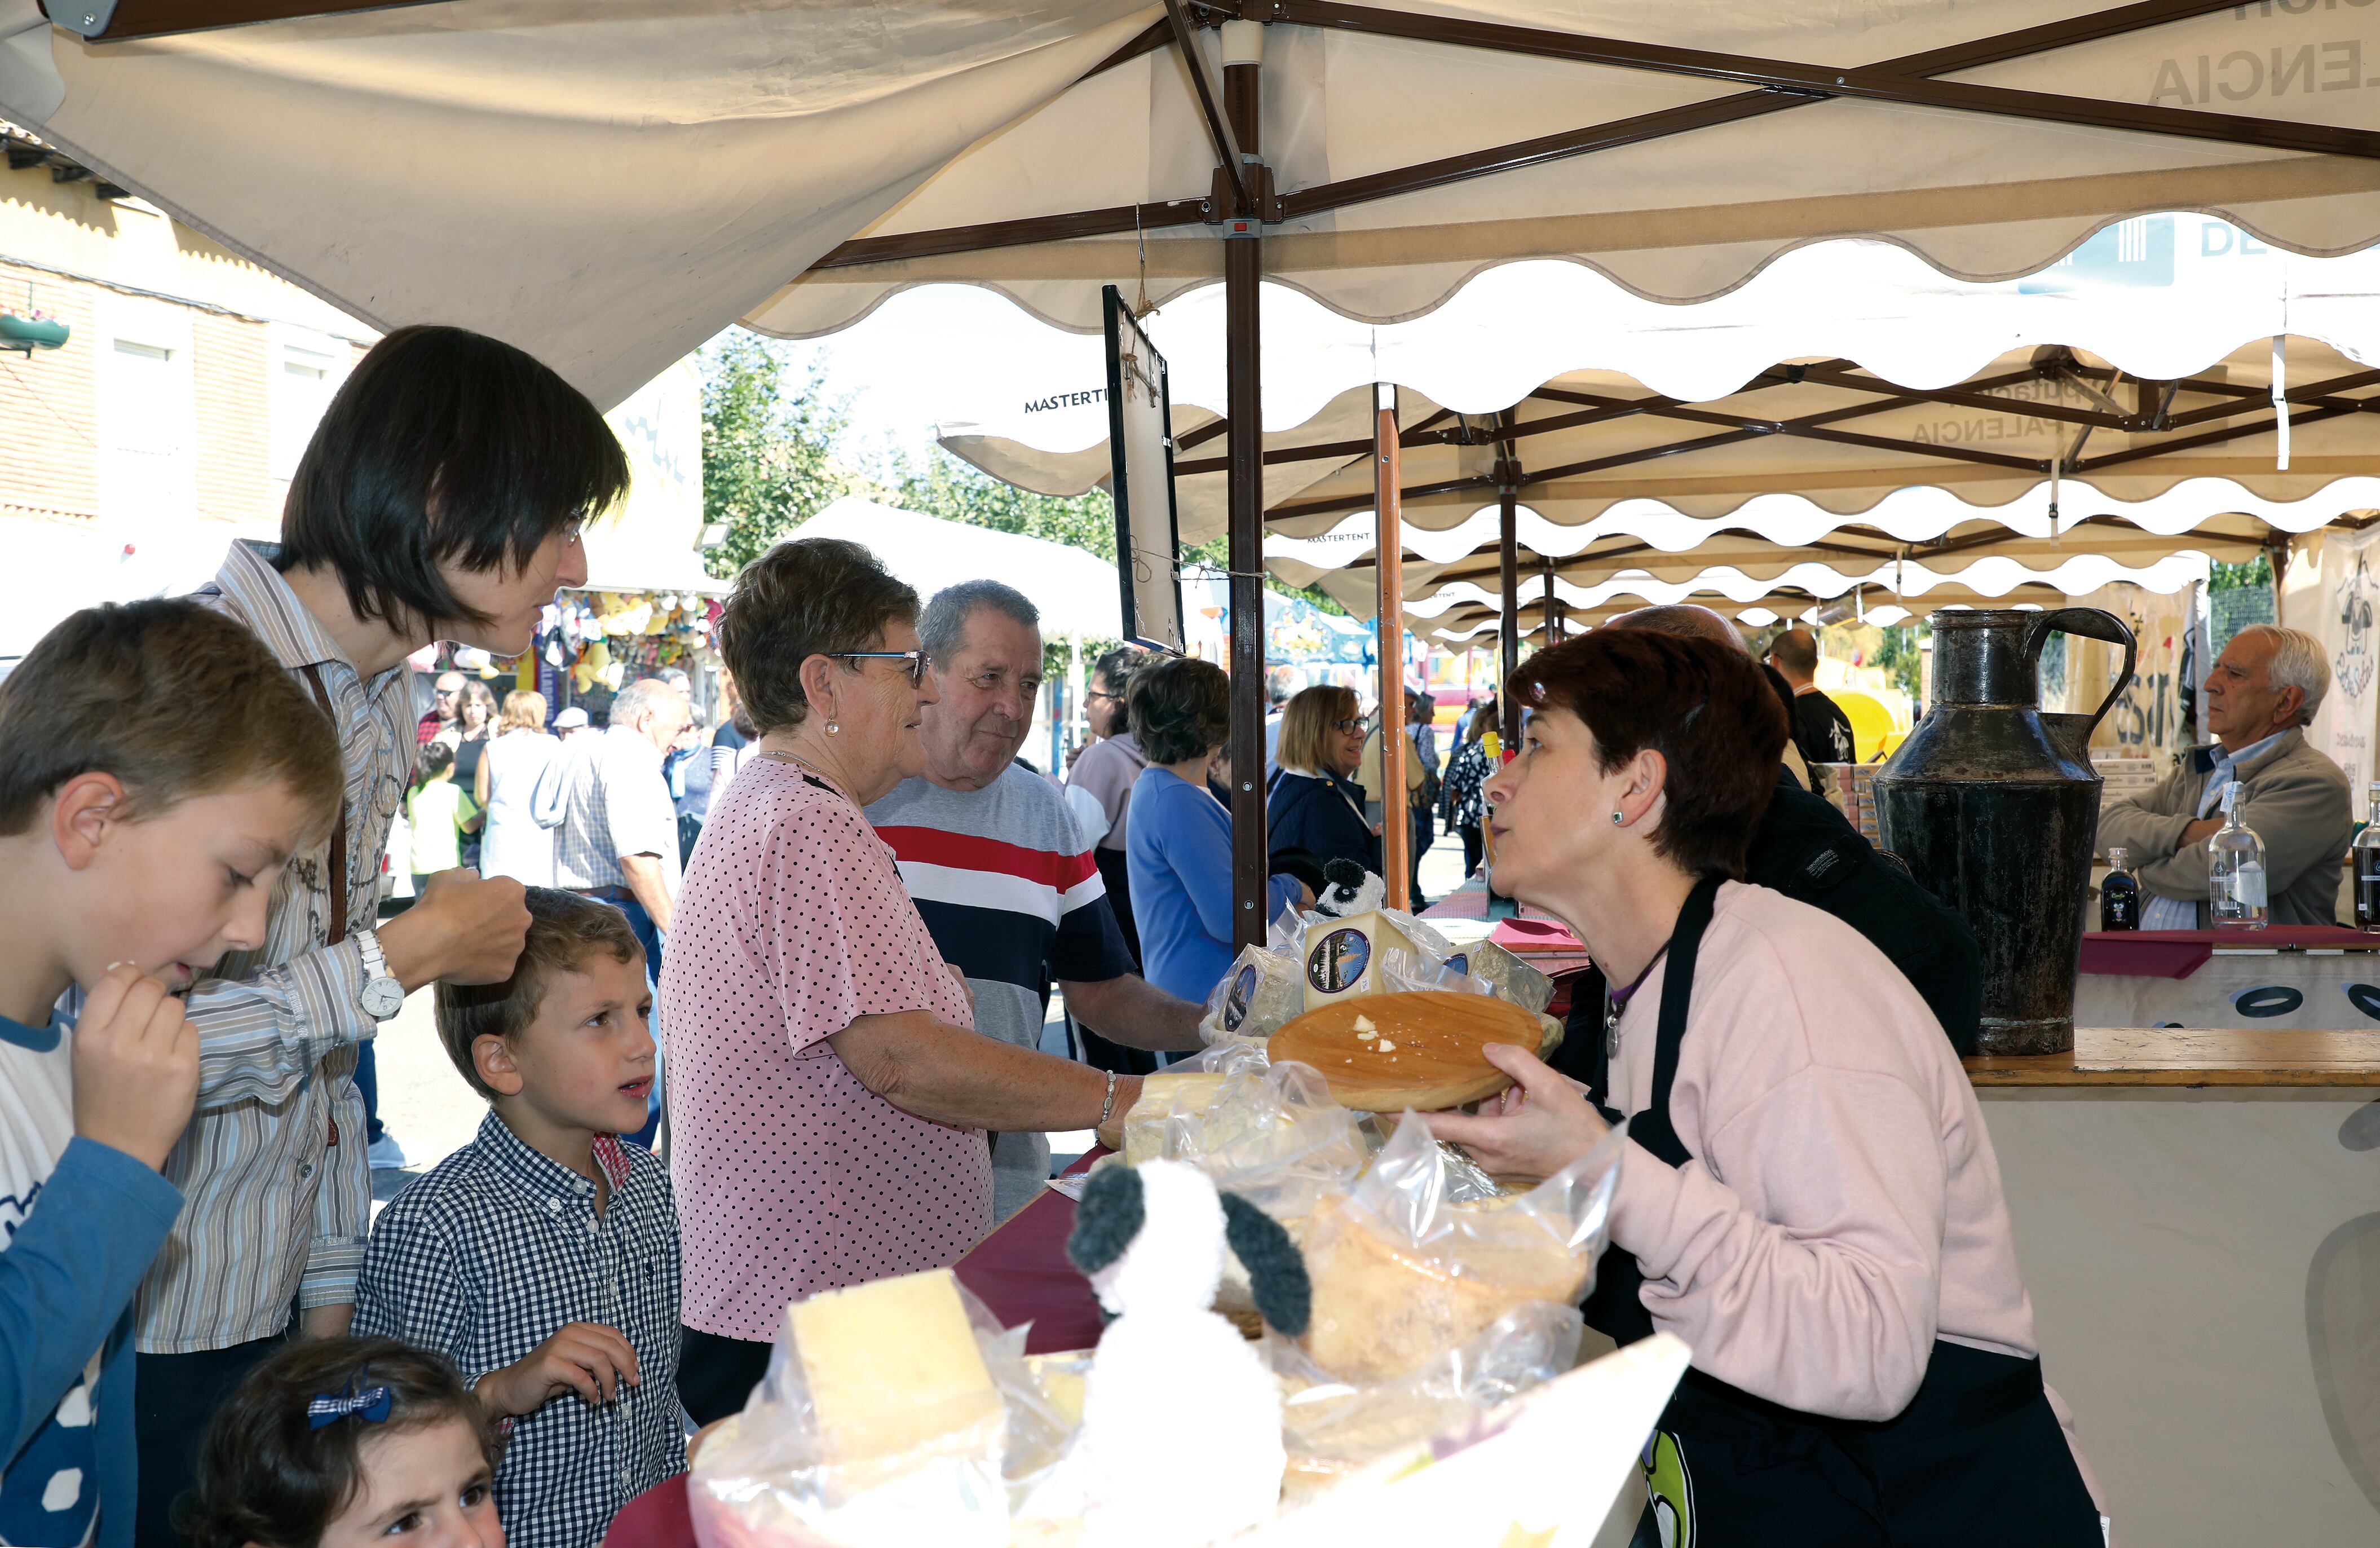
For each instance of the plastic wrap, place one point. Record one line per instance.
(1333, 1429)
(1269, 1133)
(1262, 990)
(770, 1478)
(1505, 974)
(1404, 1270)
(1402, 970)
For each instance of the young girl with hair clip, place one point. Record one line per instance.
(339, 1443)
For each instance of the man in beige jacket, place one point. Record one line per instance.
(2263, 690)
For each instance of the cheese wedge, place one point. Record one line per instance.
(1343, 956)
(892, 1366)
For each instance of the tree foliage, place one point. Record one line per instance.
(769, 447)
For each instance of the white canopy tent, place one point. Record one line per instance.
(606, 182)
(1076, 592)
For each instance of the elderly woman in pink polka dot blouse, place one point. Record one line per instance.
(829, 1097)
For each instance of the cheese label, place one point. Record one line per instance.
(1336, 963)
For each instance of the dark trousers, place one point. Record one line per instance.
(173, 1397)
(1473, 850)
(650, 939)
(715, 1374)
(368, 1088)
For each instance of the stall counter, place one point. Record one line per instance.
(2194, 1213)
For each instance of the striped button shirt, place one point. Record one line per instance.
(275, 1212)
(497, 1250)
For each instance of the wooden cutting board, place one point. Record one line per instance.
(1423, 1052)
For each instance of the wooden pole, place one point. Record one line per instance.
(1389, 552)
(1509, 565)
(1554, 623)
(1243, 402)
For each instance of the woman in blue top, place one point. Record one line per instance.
(1178, 842)
(1315, 806)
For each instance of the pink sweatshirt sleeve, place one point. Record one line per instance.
(1811, 1280)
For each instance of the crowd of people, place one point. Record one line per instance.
(841, 989)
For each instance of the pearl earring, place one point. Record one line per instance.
(1615, 819)
(832, 728)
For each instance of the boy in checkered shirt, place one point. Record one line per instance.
(542, 1258)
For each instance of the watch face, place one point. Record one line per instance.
(382, 998)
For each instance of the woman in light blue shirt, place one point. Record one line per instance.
(1178, 844)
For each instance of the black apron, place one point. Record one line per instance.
(1976, 1460)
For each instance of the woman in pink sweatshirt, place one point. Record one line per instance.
(1809, 1197)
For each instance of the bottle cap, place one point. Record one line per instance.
(2115, 858)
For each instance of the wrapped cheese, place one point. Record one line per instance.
(1402, 1272)
(1263, 990)
(1343, 956)
(1505, 974)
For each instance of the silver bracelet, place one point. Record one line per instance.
(1108, 1105)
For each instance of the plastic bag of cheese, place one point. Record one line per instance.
(1402, 1270)
(1270, 1133)
(1262, 990)
(1333, 1429)
(893, 1412)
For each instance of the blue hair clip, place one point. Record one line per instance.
(369, 1404)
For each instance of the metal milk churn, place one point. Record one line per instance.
(1995, 806)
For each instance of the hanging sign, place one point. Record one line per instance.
(1140, 440)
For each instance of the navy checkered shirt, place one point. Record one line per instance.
(494, 1251)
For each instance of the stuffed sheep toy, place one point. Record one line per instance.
(1348, 890)
(1181, 1437)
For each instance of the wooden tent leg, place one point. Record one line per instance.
(1387, 540)
(1242, 269)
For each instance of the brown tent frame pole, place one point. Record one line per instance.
(1553, 622)
(1387, 538)
(1244, 404)
(1508, 549)
(1782, 86)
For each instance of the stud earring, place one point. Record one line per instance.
(832, 728)
(1615, 819)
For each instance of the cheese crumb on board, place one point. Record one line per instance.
(891, 1365)
(1363, 1025)
(1385, 1046)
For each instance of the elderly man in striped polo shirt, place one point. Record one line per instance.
(997, 867)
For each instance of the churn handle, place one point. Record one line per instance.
(2095, 624)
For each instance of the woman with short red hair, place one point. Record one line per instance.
(1809, 1197)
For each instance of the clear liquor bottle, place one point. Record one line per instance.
(2367, 867)
(2235, 864)
(2119, 894)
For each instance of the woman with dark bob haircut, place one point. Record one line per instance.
(1178, 845)
(1809, 1196)
(828, 1098)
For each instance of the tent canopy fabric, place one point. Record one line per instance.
(607, 182)
(1076, 592)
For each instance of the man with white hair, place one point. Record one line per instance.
(1000, 872)
(2262, 692)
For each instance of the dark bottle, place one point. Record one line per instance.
(2367, 867)
(2120, 896)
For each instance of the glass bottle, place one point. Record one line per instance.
(2367, 867)
(2235, 865)
(2119, 894)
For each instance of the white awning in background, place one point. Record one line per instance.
(1076, 592)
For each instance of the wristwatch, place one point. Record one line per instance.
(383, 996)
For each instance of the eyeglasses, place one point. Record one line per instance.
(916, 660)
(1095, 693)
(1348, 726)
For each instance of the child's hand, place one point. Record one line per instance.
(586, 1358)
(136, 1066)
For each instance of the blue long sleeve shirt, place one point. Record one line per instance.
(67, 1284)
(1178, 846)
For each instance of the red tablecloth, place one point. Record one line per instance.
(2177, 953)
(656, 1518)
(1020, 1271)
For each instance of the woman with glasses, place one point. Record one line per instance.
(1313, 805)
(830, 1098)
